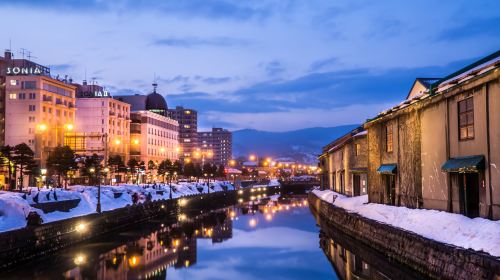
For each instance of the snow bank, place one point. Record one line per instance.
(478, 234)
(14, 207)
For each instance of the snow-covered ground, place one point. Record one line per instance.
(478, 234)
(14, 207)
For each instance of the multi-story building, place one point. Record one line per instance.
(154, 136)
(344, 163)
(219, 143)
(102, 123)
(439, 149)
(3, 70)
(39, 110)
(188, 130)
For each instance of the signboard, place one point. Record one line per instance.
(101, 93)
(11, 71)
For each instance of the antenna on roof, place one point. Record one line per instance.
(10, 44)
(23, 52)
(155, 84)
(29, 55)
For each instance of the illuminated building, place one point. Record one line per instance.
(39, 109)
(188, 127)
(220, 142)
(102, 123)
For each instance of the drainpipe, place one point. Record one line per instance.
(448, 176)
(490, 208)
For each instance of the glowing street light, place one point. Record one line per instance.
(42, 127)
(69, 126)
(252, 157)
(252, 222)
(80, 259)
(81, 227)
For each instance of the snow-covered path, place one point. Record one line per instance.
(14, 207)
(478, 234)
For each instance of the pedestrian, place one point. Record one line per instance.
(135, 198)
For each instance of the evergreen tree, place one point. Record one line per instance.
(177, 166)
(60, 161)
(7, 161)
(221, 171)
(93, 162)
(23, 159)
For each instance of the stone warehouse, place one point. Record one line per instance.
(439, 148)
(344, 164)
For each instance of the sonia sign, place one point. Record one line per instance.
(24, 71)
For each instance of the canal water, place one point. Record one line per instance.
(271, 239)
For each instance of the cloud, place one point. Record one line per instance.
(211, 9)
(472, 28)
(216, 80)
(288, 239)
(274, 68)
(190, 42)
(64, 67)
(324, 63)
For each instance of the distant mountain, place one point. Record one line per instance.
(300, 145)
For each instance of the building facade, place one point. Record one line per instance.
(102, 124)
(154, 137)
(188, 130)
(439, 148)
(39, 110)
(344, 163)
(219, 141)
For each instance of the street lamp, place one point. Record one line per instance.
(92, 170)
(252, 157)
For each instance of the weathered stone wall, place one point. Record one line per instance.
(375, 184)
(431, 258)
(409, 162)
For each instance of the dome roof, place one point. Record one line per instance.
(156, 103)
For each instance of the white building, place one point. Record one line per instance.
(102, 124)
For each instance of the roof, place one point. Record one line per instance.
(477, 68)
(342, 140)
(427, 82)
(492, 59)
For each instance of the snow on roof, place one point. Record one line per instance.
(364, 132)
(233, 171)
(488, 65)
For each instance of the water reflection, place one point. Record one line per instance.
(354, 260)
(274, 227)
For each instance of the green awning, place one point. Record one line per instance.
(464, 164)
(389, 169)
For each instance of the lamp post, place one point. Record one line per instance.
(92, 171)
(169, 184)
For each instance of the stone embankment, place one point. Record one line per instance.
(428, 257)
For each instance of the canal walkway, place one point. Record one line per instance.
(15, 207)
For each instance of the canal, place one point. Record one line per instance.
(273, 239)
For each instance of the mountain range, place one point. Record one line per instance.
(302, 145)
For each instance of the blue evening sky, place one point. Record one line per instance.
(271, 65)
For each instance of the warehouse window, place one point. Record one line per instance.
(466, 119)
